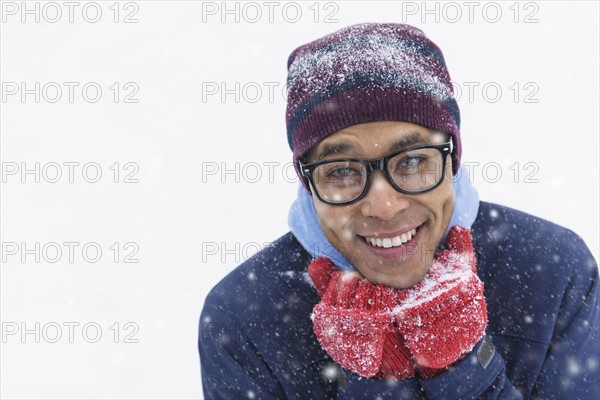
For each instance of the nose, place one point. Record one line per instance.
(382, 200)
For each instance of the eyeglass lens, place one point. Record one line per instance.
(413, 171)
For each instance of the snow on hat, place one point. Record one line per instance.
(366, 73)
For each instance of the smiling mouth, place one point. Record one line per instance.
(395, 241)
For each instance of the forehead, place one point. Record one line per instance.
(373, 139)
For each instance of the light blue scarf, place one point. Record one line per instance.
(304, 224)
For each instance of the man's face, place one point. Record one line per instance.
(384, 212)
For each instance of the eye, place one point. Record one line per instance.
(342, 173)
(410, 164)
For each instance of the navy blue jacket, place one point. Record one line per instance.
(541, 286)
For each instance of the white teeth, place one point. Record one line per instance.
(392, 242)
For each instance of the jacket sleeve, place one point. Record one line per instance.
(570, 370)
(569, 366)
(231, 367)
(480, 375)
(572, 365)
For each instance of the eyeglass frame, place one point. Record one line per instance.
(380, 163)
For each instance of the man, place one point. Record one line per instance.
(396, 281)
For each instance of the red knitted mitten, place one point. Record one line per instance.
(355, 325)
(444, 315)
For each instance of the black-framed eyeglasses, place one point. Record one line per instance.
(413, 170)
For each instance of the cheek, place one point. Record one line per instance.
(443, 196)
(330, 220)
(446, 196)
(334, 222)
(442, 204)
(440, 201)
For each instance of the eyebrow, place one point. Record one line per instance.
(411, 139)
(332, 149)
(335, 148)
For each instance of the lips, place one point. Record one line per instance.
(394, 241)
(396, 245)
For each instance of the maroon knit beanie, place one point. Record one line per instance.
(366, 73)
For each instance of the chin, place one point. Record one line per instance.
(398, 275)
(400, 282)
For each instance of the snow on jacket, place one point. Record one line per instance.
(541, 286)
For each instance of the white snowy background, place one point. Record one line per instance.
(187, 221)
